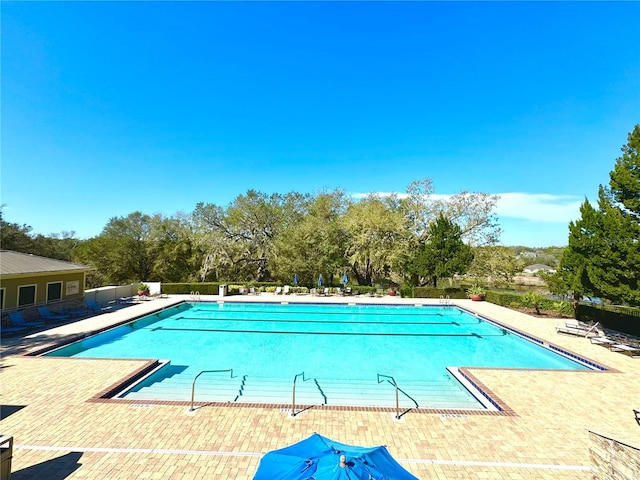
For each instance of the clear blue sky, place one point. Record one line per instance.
(113, 107)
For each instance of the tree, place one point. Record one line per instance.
(495, 264)
(377, 234)
(123, 251)
(625, 177)
(314, 240)
(603, 254)
(444, 254)
(238, 241)
(14, 236)
(172, 249)
(471, 211)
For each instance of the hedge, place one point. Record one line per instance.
(516, 300)
(430, 292)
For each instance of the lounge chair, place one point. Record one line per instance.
(72, 313)
(286, 290)
(95, 307)
(636, 411)
(18, 320)
(602, 340)
(624, 348)
(11, 329)
(579, 330)
(278, 291)
(46, 314)
(254, 291)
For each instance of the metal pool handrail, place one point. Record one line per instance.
(193, 385)
(293, 399)
(393, 382)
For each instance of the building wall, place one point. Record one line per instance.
(72, 287)
(612, 459)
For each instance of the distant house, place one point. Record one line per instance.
(538, 267)
(27, 280)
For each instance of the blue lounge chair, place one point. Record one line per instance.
(46, 314)
(12, 329)
(93, 306)
(18, 320)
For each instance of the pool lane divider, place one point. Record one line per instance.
(283, 332)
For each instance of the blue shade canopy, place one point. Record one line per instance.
(345, 279)
(320, 280)
(295, 279)
(318, 458)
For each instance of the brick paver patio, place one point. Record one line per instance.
(60, 434)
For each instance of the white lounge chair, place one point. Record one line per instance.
(278, 291)
(624, 348)
(286, 290)
(602, 340)
(578, 330)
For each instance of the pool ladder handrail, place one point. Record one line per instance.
(445, 300)
(193, 385)
(293, 395)
(195, 296)
(393, 382)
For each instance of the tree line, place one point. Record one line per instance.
(415, 237)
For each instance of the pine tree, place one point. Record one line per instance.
(603, 254)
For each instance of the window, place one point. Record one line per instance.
(54, 291)
(26, 295)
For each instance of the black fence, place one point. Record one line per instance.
(622, 319)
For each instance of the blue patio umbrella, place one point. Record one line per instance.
(295, 279)
(320, 280)
(345, 279)
(321, 458)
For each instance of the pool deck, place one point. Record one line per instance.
(60, 434)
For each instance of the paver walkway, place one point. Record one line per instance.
(59, 434)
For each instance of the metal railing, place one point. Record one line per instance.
(293, 399)
(195, 296)
(393, 382)
(193, 385)
(293, 395)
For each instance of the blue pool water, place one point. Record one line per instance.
(340, 348)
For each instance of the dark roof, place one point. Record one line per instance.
(16, 263)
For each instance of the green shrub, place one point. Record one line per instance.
(406, 292)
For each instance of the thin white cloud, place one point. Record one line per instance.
(537, 207)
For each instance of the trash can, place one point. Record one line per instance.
(6, 452)
(223, 290)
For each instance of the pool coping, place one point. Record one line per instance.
(149, 365)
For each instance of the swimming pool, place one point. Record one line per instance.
(348, 353)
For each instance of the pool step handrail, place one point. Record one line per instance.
(445, 300)
(393, 382)
(293, 396)
(193, 385)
